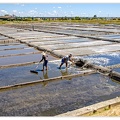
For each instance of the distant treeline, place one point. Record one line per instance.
(89, 20)
(13, 18)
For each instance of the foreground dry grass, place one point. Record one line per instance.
(114, 111)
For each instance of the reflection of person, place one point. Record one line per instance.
(45, 59)
(66, 59)
(45, 75)
(63, 73)
(45, 83)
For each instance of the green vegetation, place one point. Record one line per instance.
(77, 19)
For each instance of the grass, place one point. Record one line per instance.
(93, 21)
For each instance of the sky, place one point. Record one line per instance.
(60, 9)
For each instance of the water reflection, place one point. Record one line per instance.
(45, 76)
(45, 83)
(64, 72)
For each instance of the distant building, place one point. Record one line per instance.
(7, 17)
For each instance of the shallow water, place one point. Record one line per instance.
(23, 73)
(5, 47)
(116, 69)
(22, 59)
(58, 96)
(112, 36)
(14, 52)
(3, 38)
(53, 98)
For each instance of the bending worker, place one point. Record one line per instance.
(66, 59)
(45, 59)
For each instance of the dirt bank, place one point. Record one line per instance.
(114, 111)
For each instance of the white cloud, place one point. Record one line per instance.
(32, 11)
(54, 11)
(51, 14)
(59, 7)
(14, 11)
(83, 13)
(20, 12)
(3, 11)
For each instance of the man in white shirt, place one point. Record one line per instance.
(65, 60)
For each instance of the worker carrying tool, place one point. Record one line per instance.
(45, 60)
(65, 60)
